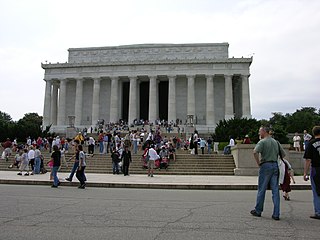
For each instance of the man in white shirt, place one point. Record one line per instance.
(91, 145)
(306, 139)
(231, 142)
(58, 141)
(227, 149)
(150, 136)
(152, 157)
(31, 156)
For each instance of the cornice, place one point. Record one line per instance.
(156, 62)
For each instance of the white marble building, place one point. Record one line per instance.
(147, 81)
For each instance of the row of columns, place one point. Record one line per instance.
(51, 100)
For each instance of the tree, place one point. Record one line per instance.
(5, 117)
(278, 120)
(29, 125)
(280, 134)
(303, 119)
(6, 126)
(237, 128)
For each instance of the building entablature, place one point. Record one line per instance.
(152, 62)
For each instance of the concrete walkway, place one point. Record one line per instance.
(142, 181)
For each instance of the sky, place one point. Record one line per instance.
(283, 36)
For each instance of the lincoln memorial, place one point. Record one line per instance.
(147, 81)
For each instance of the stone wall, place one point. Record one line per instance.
(247, 166)
(149, 52)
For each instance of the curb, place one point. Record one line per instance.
(149, 186)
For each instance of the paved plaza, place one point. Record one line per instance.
(39, 212)
(197, 182)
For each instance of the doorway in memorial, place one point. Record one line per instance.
(125, 100)
(163, 99)
(144, 100)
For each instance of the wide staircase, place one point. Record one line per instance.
(185, 164)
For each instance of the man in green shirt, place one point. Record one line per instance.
(269, 150)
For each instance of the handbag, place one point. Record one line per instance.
(148, 156)
(281, 166)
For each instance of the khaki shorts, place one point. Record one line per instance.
(151, 164)
(24, 166)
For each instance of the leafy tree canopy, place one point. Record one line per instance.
(303, 119)
(237, 128)
(5, 117)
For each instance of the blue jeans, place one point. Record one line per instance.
(74, 169)
(209, 148)
(227, 150)
(54, 172)
(316, 198)
(115, 167)
(268, 174)
(135, 147)
(101, 147)
(37, 162)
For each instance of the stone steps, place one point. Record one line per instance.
(186, 164)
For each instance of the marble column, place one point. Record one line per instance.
(47, 106)
(246, 109)
(95, 102)
(191, 97)
(114, 112)
(157, 100)
(133, 100)
(61, 119)
(78, 103)
(229, 112)
(153, 99)
(210, 101)
(54, 104)
(172, 113)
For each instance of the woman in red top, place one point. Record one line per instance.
(246, 140)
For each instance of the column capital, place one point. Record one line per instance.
(96, 80)
(228, 75)
(245, 75)
(64, 81)
(209, 76)
(172, 77)
(191, 76)
(152, 77)
(54, 82)
(79, 79)
(133, 78)
(114, 78)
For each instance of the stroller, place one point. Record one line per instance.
(144, 163)
(157, 164)
(164, 163)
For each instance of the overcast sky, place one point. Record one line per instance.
(282, 35)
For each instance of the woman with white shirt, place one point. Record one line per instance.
(151, 155)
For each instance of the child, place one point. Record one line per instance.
(63, 157)
(17, 160)
(202, 145)
(24, 166)
(285, 186)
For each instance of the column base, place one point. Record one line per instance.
(247, 116)
(228, 117)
